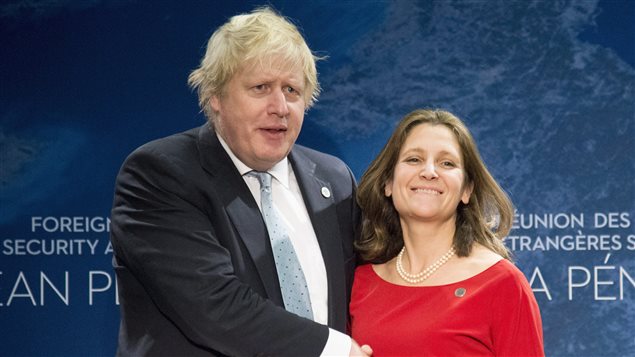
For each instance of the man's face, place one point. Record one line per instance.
(261, 112)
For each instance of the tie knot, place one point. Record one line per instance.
(263, 177)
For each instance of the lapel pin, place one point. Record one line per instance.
(460, 292)
(326, 192)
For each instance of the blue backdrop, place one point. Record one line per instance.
(545, 86)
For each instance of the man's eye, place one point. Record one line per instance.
(291, 90)
(260, 87)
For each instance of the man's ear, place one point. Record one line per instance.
(214, 102)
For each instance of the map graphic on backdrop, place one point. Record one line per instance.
(546, 87)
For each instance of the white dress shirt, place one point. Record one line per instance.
(288, 201)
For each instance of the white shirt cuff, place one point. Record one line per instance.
(338, 344)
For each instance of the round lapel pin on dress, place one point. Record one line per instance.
(326, 192)
(460, 292)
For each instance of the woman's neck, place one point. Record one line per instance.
(425, 242)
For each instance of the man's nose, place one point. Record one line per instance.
(278, 103)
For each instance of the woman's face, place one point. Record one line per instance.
(429, 179)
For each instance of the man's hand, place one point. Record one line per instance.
(356, 351)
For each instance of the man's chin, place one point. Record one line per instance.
(266, 162)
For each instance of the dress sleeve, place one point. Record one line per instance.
(516, 324)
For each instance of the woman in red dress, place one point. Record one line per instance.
(441, 282)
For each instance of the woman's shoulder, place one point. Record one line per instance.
(485, 266)
(363, 269)
(371, 273)
(364, 280)
(483, 257)
(364, 273)
(499, 272)
(479, 261)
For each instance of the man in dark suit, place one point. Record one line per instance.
(193, 256)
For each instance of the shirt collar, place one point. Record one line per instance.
(279, 171)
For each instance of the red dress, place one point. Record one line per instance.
(493, 313)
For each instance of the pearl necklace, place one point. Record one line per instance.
(425, 273)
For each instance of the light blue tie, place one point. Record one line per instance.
(292, 282)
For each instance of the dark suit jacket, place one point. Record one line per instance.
(193, 260)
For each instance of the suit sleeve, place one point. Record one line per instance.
(166, 242)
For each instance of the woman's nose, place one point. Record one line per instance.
(429, 171)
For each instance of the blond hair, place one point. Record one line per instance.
(252, 39)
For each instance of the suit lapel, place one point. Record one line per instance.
(243, 211)
(322, 211)
(241, 208)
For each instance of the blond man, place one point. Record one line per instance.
(196, 256)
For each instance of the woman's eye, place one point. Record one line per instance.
(413, 160)
(448, 164)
